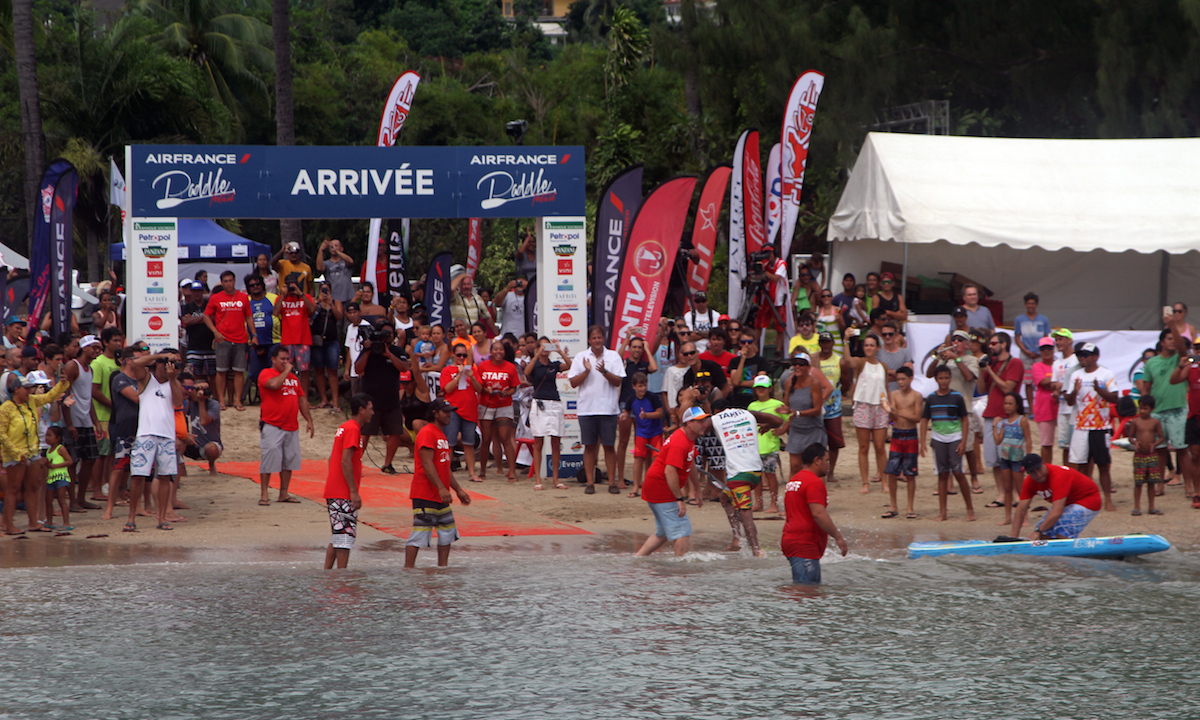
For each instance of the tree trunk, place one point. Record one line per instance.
(691, 81)
(31, 110)
(285, 123)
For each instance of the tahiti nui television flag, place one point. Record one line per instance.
(50, 259)
(653, 243)
(619, 203)
(797, 131)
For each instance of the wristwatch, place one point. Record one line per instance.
(678, 499)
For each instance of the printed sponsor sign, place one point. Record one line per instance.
(562, 287)
(152, 279)
(267, 181)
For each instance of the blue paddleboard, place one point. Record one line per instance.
(1119, 546)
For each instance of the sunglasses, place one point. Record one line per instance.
(688, 354)
(994, 344)
(826, 295)
(887, 335)
(1177, 311)
(746, 342)
(886, 282)
(461, 355)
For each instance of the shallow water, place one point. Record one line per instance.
(602, 635)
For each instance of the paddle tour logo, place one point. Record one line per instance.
(176, 187)
(504, 186)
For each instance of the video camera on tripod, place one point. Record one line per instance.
(756, 271)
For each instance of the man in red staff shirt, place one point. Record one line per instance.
(430, 490)
(1074, 499)
(808, 526)
(343, 480)
(462, 389)
(294, 308)
(280, 439)
(663, 488)
(228, 316)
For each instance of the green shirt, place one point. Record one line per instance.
(102, 371)
(768, 441)
(1157, 372)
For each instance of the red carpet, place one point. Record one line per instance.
(386, 505)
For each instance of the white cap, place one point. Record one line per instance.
(186, 283)
(37, 377)
(88, 340)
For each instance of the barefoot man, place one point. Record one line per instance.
(342, 498)
(737, 430)
(905, 406)
(430, 489)
(663, 489)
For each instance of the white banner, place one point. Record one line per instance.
(152, 282)
(737, 232)
(562, 298)
(395, 112)
(797, 130)
(774, 193)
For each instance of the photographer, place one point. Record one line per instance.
(203, 415)
(154, 447)
(775, 272)
(379, 366)
(512, 303)
(526, 258)
(294, 310)
(964, 373)
(461, 389)
(290, 260)
(326, 348)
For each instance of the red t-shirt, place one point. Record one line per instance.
(431, 436)
(723, 359)
(294, 321)
(229, 315)
(1013, 372)
(348, 437)
(496, 377)
(802, 537)
(279, 407)
(1077, 488)
(678, 452)
(461, 394)
(1193, 383)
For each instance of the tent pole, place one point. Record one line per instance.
(904, 276)
(1164, 269)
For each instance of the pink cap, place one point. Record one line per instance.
(1046, 342)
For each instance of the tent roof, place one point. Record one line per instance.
(201, 239)
(1115, 195)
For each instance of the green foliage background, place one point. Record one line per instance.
(199, 71)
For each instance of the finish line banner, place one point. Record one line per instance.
(301, 182)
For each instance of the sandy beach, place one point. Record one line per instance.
(225, 523)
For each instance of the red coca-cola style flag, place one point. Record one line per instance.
(474, 246)
(752, 195)
(653, 242)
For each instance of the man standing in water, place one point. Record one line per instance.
(663, 489)
(737, 430)
(343, 480)
(808, 526)
(430, 489)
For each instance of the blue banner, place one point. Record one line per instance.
(273, 182)
(50, 261)
(437, 291)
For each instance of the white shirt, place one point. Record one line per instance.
(597, 396)
(1060, 372)
(780, 288)
(156, 411)
(672, 382)
(1091, 410)
(701, 323)
(354, 345)
(738, 432)
(513, 319)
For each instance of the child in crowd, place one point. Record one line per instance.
(647, 410)
(1045, 405)
(1013, 442)
(946, 413)
(59, 480)
(769, 439)
(1147, 434)
(424, 348)
(905, 407)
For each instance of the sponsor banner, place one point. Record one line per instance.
(558, 310)
(737, 231)
(51, 244)
(704, 228)
(619, 203)
(274, 182)
(653, 242)
(752, 195)
(773, 189)
(797, 131)
(152, 284)
(395, 110)
(397, 263)
(437, 290)
(474, 246)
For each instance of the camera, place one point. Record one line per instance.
(985, 361)
(378, 339)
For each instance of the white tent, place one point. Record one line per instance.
(1100, 229)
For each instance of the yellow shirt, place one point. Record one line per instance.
(19, 424)
(287, 267)
(812, 345)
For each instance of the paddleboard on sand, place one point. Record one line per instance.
(1119, 546)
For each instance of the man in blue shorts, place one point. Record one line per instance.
(663, 489)
(1074, 497)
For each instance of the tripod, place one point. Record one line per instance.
(756, 297)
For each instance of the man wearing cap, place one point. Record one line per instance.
(1093, 387)
(964, 375)
(431, 488)
(81, 421)
(201, 360)
(959, 318)
(977, 315)
(738, 431)
(1028, 329)
(663, 489)
(28, 359)
(290, 260)
(775, 270)
(465, 302)
(1188, 371)
(1061, 372)
(890, 300)
(1074, 500)
(701, 318)
(14, 332)
(342, 482)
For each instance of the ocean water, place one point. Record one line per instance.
(604, 635)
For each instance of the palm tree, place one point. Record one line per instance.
(229, 47)
(31, 108)
(285, 123)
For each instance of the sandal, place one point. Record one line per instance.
(1156, 511)
(129, 527)
(889, 514)
(538, 487)
(165, 526)
(995, 504)
(560, 486)
(1135, 513)
(635, 494)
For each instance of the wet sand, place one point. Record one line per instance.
(225, 523)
